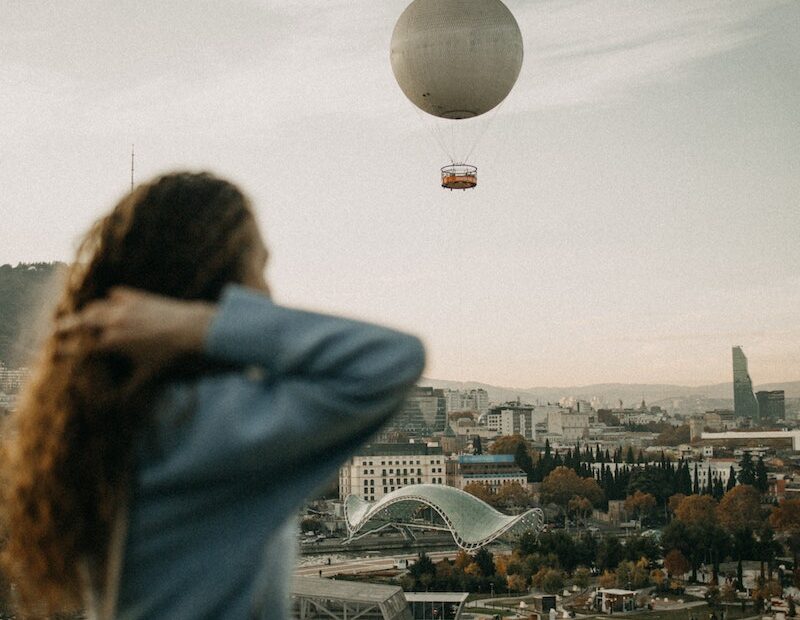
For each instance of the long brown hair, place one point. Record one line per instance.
(66, 452)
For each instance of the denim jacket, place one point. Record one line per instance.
(213, 500)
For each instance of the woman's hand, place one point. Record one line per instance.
(150, 329)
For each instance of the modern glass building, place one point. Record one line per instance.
(745, 404)
(771, 404)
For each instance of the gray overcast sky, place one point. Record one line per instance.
(638, 207)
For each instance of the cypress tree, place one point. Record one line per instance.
(731, 479)
(747, 473)
(762, 484)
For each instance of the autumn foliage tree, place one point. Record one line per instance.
(481, 491)
(676, 564)
(740, 514)
(640, 505)
(785, 518)
(563, 484)
(696, 532)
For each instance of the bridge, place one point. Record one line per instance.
(793, 435)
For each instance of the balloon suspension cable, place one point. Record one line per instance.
(492, 114)
(433, 132)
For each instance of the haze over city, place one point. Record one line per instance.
(638, 204)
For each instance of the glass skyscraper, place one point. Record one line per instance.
(744, 401)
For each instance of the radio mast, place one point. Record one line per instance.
(132, 160)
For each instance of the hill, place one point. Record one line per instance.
(710, 396)
(27, 293)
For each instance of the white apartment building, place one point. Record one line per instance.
(517, 419)
(383, 468)
(476, 400)
(568, 425)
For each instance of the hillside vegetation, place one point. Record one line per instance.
(27, 293)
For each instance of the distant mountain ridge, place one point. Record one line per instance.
(28, 290)
(629, 393)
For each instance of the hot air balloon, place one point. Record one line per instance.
(456, 60)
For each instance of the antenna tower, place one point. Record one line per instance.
(132, 160)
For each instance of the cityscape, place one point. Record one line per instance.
(402, 310)
(462, 507)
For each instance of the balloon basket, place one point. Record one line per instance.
(459, 176)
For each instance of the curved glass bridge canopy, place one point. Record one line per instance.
(471, 521)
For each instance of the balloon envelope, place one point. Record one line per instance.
(456, 58)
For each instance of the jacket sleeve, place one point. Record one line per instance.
(330, 382)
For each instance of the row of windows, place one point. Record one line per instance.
(405, 472)
(399, 462)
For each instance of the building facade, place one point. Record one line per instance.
(382, 468)
(492, 470)
(424, 411)
(745, 404)
(568, 425)
(771, 405)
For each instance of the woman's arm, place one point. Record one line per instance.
(330, 382)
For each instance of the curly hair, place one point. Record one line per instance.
(66, 452)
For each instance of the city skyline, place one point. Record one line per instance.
(638, 194)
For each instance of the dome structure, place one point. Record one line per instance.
(456, 58)
(471, 521)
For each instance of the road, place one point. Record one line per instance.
(363, 565)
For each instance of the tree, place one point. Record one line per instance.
(507, 444)
(581, 577)
(522, 458)
(698, 510)
(676, 564)
(580, 507)
(485, 561)
(731, 479)
(633, 575)
(562, 484)
(785, 518)
(640, 505)
(513, 495)
(481, 491)
(701, 531)
(740, 514)
(740, 509)
(747, 472)
(607, 579)
(549, 579)
(423, 571)
(477, 447)
(609, 553)
(675, 501)
(761, 482)
(674, 436)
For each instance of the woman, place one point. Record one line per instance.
(178, 418)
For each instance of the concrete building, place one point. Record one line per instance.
(568, 425)
(476, 400)
(745, 404)
(771, 405)
(512, 418)
(720, 420)
(380, 469)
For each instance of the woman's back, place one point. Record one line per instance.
(233, 456)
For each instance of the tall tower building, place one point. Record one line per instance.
(744, 401)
